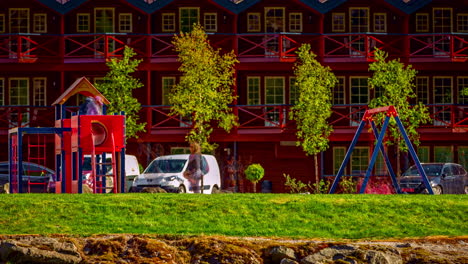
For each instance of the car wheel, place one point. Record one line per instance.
(181, 189)
(215, 189)
(437, 189)
(466, 189)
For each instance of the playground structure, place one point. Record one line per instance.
(390, 111)
(80, 134)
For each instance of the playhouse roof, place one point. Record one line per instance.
(80, 86)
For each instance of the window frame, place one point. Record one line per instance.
(424, 156)
(129, 16)
(339, 27)
(258, 24)
(2, 91)
(10, 10)
(283, 18)
(351, 78)
(384, 15)
(434, 20)
(168, 17)
(37, 18)
(2, 23)
(362, 163)
(463, 23)
(462, 99)
(205, 18)
(367, 27)
(295, 20)
(164, 87)
(43, 93)
(419, 92)
(87, 16)
(190, 27)
(445, 149)
(98, 9)
(341, 82)
(293, 90)
(339, 160)
(283, 95)
(435, 78)
(257, 93)
(424, 26)
(20, 93)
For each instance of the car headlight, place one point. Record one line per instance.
(170, 178)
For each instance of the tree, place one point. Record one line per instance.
(313, 106)
(205, 88)
(117, 87)
(254, 173)
(393, 85)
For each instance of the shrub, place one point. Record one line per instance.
(254, 173)
(295, 186)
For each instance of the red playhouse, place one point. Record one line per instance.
(87, 131)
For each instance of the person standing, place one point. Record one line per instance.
(194, 173)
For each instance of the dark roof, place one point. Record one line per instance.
(323, 6)
(149, 6)
(64, 8)
(409, 6)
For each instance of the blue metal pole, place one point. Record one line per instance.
(347, 157)
(20, 160)
(374, 155)
(387, 162)
(414, 156)
(123, 173)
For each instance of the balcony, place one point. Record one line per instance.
(264, 47)
(266, 117)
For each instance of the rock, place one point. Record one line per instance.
(5, 188)
(38, 250)
(153, 190)
(288, 261)
(278, 253)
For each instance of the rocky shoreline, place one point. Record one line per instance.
(215, 249)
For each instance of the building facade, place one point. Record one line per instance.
(45, 45)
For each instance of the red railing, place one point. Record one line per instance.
(263, 46)
(249, 116)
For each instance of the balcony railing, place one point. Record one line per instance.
(264, 46)
(249, 116)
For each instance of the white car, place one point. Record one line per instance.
(167, 172)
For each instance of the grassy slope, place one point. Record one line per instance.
(272, 215)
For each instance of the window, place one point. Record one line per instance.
(422, 22)
(443, 154)
(463, 156)
(167, 84)
(442, 90)
(359, 90)
(462, 22)
(168, 22)
(211, 22)
(338, 157)
(253, 22)
(339, 91)
(422, 88)
(82, 24)
(2, 91)
(188, 16)
(295, 22)
(293, 91)
(274, 19)
(462, 85)
(359, 160)
(253, 90)
(380, 22)
(380, 166)
(40, 23)
(2, 23)
(338, 22)
(19, 20)
(39, 91)
(19, 91)
(423, 154)
(442, 20)
(125, 22)
(104, 20)
(274, 90)
(359, 20)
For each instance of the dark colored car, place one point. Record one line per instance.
(36, 178)
(444, 178)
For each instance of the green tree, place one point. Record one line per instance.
(313, 106)
(117, 87)
(254, 173)
(205, 88)
(393, 85)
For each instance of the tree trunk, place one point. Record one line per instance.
(254, 187)
(317, 186)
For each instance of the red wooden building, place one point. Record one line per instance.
(45, 45)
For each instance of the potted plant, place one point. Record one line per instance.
(254, 173)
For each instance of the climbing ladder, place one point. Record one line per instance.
(36, 154)
(99, 171)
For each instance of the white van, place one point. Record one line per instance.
(167, 172)
(132, 169)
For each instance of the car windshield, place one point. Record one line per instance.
(429, 169)
(166, 166)
(87, 164)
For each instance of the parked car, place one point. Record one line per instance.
(36, 178)
(132, 170)
(167, 172)
(443, 177)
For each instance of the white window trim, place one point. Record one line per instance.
(188, 8)
(259, 88)
(2, 19)
(385, 22)
(10, 87)
(344, 22)
(416, 22)
(368, 18)
(259, 22)
(129, 15)
(205, 16)
(173, 18)
(2, 91)
(163, 95)
(44, 91)
(77, 22)
(284, 88)
(458, 16)
(275, 8)
(300, 22)
(35, 21)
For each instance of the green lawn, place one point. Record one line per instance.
(273, 215)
